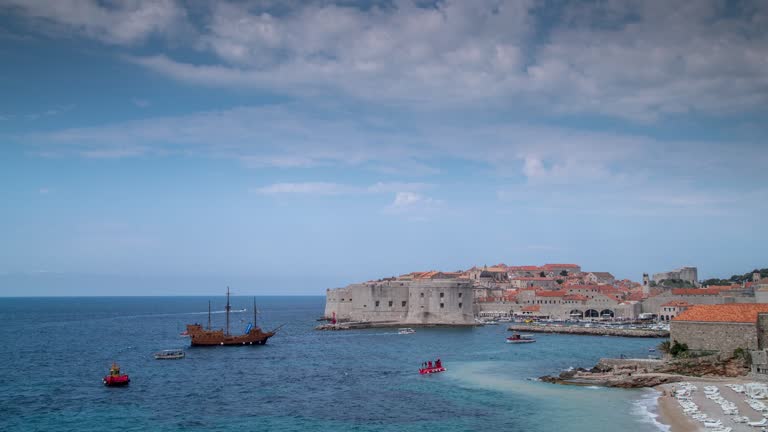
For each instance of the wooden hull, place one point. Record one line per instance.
(201, 337)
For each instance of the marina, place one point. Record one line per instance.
(592, 331)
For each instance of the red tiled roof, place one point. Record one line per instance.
(577, 297)
(677, 303)
(549, 266)
(523, 268)
(722, 287)
(695, 291)
(543, 293)
(532, 308)
(537, 278)
(582, 286)
(734, 312)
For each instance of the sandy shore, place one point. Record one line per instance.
(671, 413)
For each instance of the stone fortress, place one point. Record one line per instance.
(550, 291)
(404, 301)
(687, 274)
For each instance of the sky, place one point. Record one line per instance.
(167, 147)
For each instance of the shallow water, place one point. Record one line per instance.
(57, 350)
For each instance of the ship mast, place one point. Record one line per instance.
(209, 314)
(254, 311)
(228, 307)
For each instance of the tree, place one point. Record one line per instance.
(542, 274)
(564, 273)
(665, 346)
(678, 348)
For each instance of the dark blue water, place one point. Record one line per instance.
(55, 351)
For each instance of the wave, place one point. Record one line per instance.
(647, 409)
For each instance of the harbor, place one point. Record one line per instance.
(592, 331)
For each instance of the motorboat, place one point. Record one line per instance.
(170, 354)
(517, 338)
(405, 331)
(435, 367)
(115, 378)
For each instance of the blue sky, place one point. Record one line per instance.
(169, 147)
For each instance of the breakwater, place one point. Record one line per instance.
(594, 331)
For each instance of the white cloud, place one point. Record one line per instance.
(115, 22)
(141, 103)
(329, 188)
(636, 60)
(413, 205)
(310, 188)
(293, 136)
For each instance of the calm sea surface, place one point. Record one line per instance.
(55, 351)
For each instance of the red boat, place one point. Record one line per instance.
(432, 368)
(115, 378)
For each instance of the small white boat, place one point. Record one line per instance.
(406, 330)
(172, 354)
(520, 339)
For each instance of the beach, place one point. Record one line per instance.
(671, 412)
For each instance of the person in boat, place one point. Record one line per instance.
(438, 364)
(429, 364)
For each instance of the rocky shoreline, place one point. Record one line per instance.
(639, 373)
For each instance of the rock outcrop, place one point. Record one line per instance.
(631, 373)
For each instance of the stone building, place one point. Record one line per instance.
(721, 328)
(689, 274)
(600, 278)
(670, 310)
(534, 281)
(761, 290)
(403, 301)
(695, 296)
(572, 302)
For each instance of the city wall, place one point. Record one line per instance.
(432, 301)
(721, 337)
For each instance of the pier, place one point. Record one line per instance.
(594, 331)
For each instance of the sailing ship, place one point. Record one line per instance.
(200, 336)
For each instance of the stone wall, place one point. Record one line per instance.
(562, 311)
(689, 274)
(652, 304)
(431, 301)
(721, 337)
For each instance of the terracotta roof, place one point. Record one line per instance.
(677, 303)
(577, 297)
(523, 268)
(722, 287)
(543, 293)
(734, 312)
(549, 266)
(537, 278)
(695, 291)
(532, 308)
(603, 274)
(582, 286)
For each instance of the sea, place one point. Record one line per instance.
(56, 350)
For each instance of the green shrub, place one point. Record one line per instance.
(678, 348)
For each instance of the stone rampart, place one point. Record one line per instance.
(720, 337)
(430, 301)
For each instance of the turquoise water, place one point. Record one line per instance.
(57, 350)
